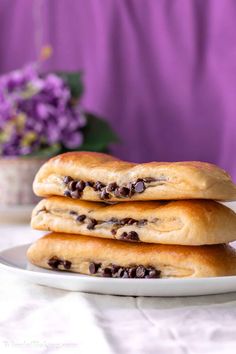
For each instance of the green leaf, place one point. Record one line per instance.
(98, 134)
(74, 81)
(47, 151)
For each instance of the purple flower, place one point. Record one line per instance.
(37, 112)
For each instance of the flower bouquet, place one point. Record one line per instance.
(40, 116)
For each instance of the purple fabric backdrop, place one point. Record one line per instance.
(163, 72)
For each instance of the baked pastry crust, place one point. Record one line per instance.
(158, 180)
(171, 261)
(183, 222)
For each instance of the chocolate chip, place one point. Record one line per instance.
(89, 184)
(91, 224)
(128, 221)
(80, 185)
(123, 235)
(140, 271)
(132, 272)
(72, 212)
(123, 191)
(132, 236)
(106, 272)
(66, 264)
(149, 179)
(104, 194)
(124, 221)
(98, 186)
(153, 273)
(67, 179)
(76, 194)
(120, 272)
(117, 193)
(131, 221)
(139, 187)
(72, 185)
(113, 232)
(111, 187)
(81, 218)
(114, 269)
(67, 193)
(54, 262)
(93, 267)
(130, 186)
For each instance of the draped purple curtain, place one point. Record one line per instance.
(162, 72)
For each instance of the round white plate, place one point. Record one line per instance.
(14, 260)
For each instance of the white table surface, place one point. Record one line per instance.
(37, 319)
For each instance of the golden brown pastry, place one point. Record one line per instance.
(183, 222)
(118, 259)
(95, 177)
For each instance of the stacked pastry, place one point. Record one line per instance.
(117, 219)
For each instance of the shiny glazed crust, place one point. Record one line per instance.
(176, 180)
(183, 222)
(172, 261)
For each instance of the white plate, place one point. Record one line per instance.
(231, 205)
(14, 260)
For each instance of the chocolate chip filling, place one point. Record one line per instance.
(111, 187)
(66, 264)
(91, 224)
(116, 271)
(80, 185)
(67, 193)
(75, 187)
(98, 186)
(104, 195)
(122, 192)
(139, 187)
(106, 272)
(116, 224)
(93, 267)
(55, 262)
(72, 186)
(140, 272)
(130, 236)
(81, 218)
(67, 179)
(72, 212)
(76, 194)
